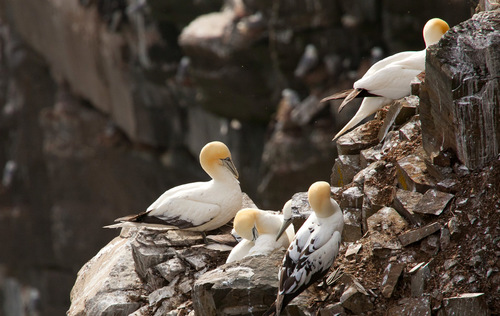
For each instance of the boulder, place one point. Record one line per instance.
(387, 220)
(238, 288)
(460, 107)
(108, 284)
(465, 304)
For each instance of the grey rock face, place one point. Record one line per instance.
(248, 286)
(151, 268)
(108, 284)
(433, 202)
(460, 104)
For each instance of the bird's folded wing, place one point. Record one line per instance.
(181, 213)
(396, 58)
(391, 82)
(312, 263)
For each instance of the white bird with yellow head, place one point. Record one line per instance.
(259, 229)
(389, 79)
(198, 206)
(314, 248)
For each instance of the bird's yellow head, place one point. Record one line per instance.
(245, 223)
(216, 154)
(319, 197)
(434, 30)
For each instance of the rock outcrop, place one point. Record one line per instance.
(101, 105)
(460, 105)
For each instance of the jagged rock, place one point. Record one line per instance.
(108, 283)
(448, 185)
(430, 245)
(412, 174)
(352, 198)
(465, 304)
(152, 267)
(170, 268)
(352, 250)
(246, 286)
(368, 172)
(356, 299)
(390, 278)
(437, 172)
(370, 155)
(418, 234)
(460, 107)
(376, 193)
(150, 255)
(387, 220)
(332, 310)
(419, 276)
(410, 104)
(410, 130)
(383, 245)
(352, 225)
(344, 169)
(433, 202)
(411, 306)
(360, 138)
(405, 202)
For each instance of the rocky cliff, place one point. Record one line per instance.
(106, 103)
(421, 233)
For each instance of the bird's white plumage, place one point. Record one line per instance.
(314, 247)
(198, 206)
(390, 78)
(267, 225)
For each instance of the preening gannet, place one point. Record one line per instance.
(314, 248)
(259, 229)
(389, 79)
(198, 206)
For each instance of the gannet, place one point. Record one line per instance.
(314, 248)
(198, 206)
(259, 230)
(389, 79)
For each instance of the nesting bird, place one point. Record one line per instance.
(388, 79)
(314, 248)
(197, 206)
(259, 230)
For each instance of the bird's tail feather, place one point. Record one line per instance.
(368, 107)
(338, 95)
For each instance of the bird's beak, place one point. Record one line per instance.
(228, 163)
(284, 226)
(255, 234)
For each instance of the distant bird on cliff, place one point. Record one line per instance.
(314, 248)
(388, 79)
(198, 206)
(259, 230)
